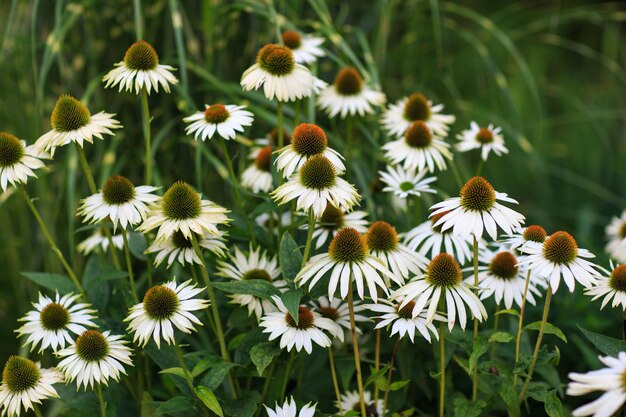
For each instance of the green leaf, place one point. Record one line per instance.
(509, 311)
(209, 399)
(262, 355)
(290, 257)
(376, 375)
(605, 344)
(501, 337)
(174, 405)
(466, 408)
(508, 394)
(548, 329)
(553, 405)
(480, 348)
(257, 287)
(245, 406)
(291, 299)
(54, 282)
(204, 364)
(137, 245)
(397, 385)
(174, 371)
(216, 374)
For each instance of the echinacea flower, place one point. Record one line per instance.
(402, 321)
(271, 139)
(120, 202)
(399, 116)
(24, 384)
(257, 265)
(179, 248)
(429, 240)
(560, 258)
(95, 357)
(306, 48)
(610, 380)
(419, 149)
(258, 176)
(225, 120)
(289, 409)
(616, 236)
(383, 243)
(316, 185)
(279, 74)
(351, 401)
(306, 141)
(182, 209)
(612, 287)
(72, 122)
(339, 312)
(443, 278)
(487, 139)
(348, 258)
(140, 69)
(477, 209)
(164, 308)
(349, 95)
(53, 322)
(301, 335)
(18, 161)
(406, 182)
(98, 241)
(332, 220)
(532, 235)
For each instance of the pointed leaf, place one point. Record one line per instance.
(290, 257)
(210, 400)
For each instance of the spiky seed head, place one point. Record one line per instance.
(216, 113)
(69, 114)
(118, 190)
(54, 317)
(20, 374)
(11, 150)
(276, 59)
(478, 195)
(181, 202)
(534, 233)
(418, 135)
(92, 346)
(318, 173)
(484, 135)
(309, 139)
(292, 39)
(560, 248)
(504, 265)
(417, 107)
(348, 82)
(382, 237)
(444, 271)
(141, 56)
(305, 319)
(263, 160)
(348, 245)
(160, 302)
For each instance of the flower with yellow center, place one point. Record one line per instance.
(611, 287)
(18, 161)
(333, 220)
(179, 248)
(225, 120)
(350, 95)
(399, 116)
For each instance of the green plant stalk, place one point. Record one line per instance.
(389, 374)
(475, 372)
(283, 389)
(129, 266)
(214, 308)
(333, 373)
(496, 322)
(266, 385)
(138, 19)
(377, 362)
(37, 411)
(355, 344)
(481, 164)
(442, 367)
(533, 360)
(520, 324)
(103, 404)
(52, 244)
(455, 172)
(281, 140)
(309, 238)
(296, 117)
(145, 117)
(188, 377)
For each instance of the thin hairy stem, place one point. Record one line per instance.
(355, 344)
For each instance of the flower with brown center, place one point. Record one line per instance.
(400, 115)
(225, 120)
(487, 139)
(612, 288)
(258, 176)
(306, 48)
(350, 95)
(18, 161)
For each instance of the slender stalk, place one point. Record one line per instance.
(216, 314)
(103, 404)
(355, 344)
(520, 324)
(389, 374)
(442, 368)
(496, 322)
(266, 385)
(281, 140)
(377, 362)
(481, 164)
(309, 238)
(283, 389)
(475, 372)
(296, 118)
(138, 19)
(51, 242)
(188, 377)
(129, 266)
(457, 175)
(333, 373)
(145, 117)
(37, 411)
(533, 360)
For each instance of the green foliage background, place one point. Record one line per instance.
(551, 73)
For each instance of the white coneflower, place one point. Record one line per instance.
(610, 380)
(616, 236)
(269, 220)
(306, 48)
(351, 402)
(402, 321)
(164, 307)
(182, 209)
(502, 277)
(258, 176)
(477, 209)
(53, 322)
(315, 186)
(560, 257)
(140, 69)
(120, 202)
(429, 240)
(532, 235)
(271, 139)
(289, 409)
(406, 182)
(332, 220)
(349, 95)
(18, 161)
(179, 248)
(95, 358)
(300, 335)
(339, 312)
(612, 287)
(98, 241)
(279, 74)
(443, 277)
(419, 149)
(72, 122)
(348, 258)
(226, 120)
(24, 384)
(257, 265)
(399, 116)
(487, 139)
(306, 140)
(383, 243)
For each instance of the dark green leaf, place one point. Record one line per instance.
(466, 408)
(54, 282)
(291, 299)
(245, 406)
(509, 311)
(605, 344)
(395, 386)
(553, 405)
(263, 354)
(257, 287)
(501, 337)
(508, 394)
(548, 329)
(481, 346)
(290, 257)
(174, 371)
(174, 405)
(376, 375)
(209, 399)
(216, 374)
(137, 244)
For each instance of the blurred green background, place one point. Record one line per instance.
(551, 73)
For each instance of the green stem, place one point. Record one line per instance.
(442, 368)
(355, 344)
(520, 324)
(479, 169)
(309, 238)
(377, 362)
(37, 411)
(103, 404)
(145, 117)
(281, 140)
(296, 118)
(475, 372)
(129, 267)
(455, 171)
(333, 373)
(51, 242)
(188, 377)
(533, 360)
(389, 374)
(138, 19)
(266, 385)
(283, 389)
(496, 322)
